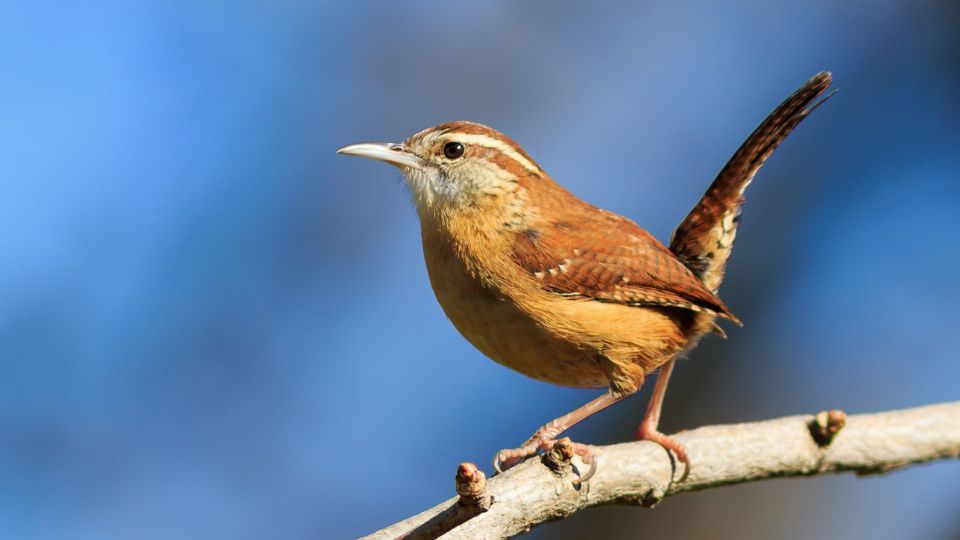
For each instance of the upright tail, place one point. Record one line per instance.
(704, 239)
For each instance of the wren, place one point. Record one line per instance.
(565, 292)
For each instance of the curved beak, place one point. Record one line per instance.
(394, 154)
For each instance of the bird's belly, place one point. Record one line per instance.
(503, 331)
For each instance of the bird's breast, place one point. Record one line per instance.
(482, 304)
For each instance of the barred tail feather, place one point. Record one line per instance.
(704, 239)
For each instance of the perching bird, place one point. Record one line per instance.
(565, 292)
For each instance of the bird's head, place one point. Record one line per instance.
(456, 166)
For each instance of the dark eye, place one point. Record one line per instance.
(453, 150)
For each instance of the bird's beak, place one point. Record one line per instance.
(394, 154)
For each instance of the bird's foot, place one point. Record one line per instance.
(544, 440)
(649, 433)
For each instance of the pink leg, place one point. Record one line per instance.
(546, 436)
(648, 427)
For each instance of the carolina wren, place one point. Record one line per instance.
(565, 292)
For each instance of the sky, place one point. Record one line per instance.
(213, 326)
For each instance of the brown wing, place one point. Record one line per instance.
(704, 239)
(606, 257)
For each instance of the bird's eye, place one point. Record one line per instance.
(453, 150)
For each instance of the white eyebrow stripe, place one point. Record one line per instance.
(490, 142)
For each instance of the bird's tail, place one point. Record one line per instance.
(704, 239)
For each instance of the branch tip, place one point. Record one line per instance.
(826, 425)
(472, 486)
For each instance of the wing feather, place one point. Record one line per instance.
(605, 257)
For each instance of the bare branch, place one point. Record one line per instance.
(642, 473)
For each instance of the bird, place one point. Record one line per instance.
(565, 292)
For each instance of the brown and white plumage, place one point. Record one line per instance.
(543, 282)
(583, 251)
(704, 240)
(563, 291)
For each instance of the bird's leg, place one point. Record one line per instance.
(648, 426)
(546, 436)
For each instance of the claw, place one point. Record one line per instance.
(669, 444)
(496, 463)
(682, 457)
(499, 461)
(588, 456)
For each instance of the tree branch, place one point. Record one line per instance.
(642, 473)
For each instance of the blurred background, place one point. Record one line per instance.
(212, 326)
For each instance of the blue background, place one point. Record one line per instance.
(212, 326)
